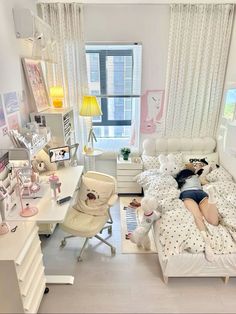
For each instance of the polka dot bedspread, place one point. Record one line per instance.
(177, 230)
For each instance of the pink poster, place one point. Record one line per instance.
(152, 105)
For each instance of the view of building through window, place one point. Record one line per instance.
(114, 76)
(230, 103)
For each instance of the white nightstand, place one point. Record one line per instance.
(126, 172)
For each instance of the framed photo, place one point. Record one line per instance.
(36, 83)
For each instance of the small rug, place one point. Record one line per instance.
(130, 219)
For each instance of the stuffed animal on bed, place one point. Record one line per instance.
(202, 168)
(140, 234)
(168, 165)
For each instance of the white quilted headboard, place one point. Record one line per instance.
(155, 146)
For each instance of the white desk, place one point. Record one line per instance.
(50, 211)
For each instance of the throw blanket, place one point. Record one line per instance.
(177, 230)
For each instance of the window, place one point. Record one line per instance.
(230, 102)
(114, 76)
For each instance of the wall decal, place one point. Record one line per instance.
(2, 115)
(152, 103)
(11, 102)
(4, 131)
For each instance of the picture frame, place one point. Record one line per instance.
(36, 83)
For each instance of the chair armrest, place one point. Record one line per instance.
(112, 200)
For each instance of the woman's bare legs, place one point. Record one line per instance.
(193, 207)
(210, 212)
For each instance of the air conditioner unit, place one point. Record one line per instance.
(28, 25)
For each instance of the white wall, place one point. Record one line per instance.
(146, 24)
(11, 49)
(228, 161)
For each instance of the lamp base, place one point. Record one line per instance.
(57, 103)
(4, 228)
(91, 138)
(29, 211)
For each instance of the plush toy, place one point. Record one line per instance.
(140, 234)
(201, 168)
(168, 165)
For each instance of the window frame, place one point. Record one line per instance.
(103, 85)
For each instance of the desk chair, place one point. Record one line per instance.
(82, 221)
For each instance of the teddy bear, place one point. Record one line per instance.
(140, 234)
(168, 165)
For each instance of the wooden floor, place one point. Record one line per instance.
(126, 283)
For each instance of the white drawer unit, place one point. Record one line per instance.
(22, 278)
(127, 170)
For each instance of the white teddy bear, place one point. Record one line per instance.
(140, 234)
(168, 164)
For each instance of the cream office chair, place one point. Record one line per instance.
(81, 221)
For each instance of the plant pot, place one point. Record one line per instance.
(126, 156)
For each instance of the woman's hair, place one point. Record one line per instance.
(182, 176)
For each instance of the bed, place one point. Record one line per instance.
(178, 241)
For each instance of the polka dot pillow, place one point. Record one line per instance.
(219, 174)
(152, 162)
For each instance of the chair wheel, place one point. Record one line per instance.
(79, 259)
(113, 250)
(46, 290)
(47, 236)
(63, 243)
(110, 230)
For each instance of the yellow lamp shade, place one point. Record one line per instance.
(57, 94)
(90, 107)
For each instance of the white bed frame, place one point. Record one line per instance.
(187, 264)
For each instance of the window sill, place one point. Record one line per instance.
(111, 147)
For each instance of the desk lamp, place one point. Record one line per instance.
(57, 95)
(90, 108)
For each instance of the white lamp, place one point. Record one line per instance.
(90, 108)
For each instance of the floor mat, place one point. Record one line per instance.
(130, 219)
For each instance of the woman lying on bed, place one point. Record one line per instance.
(199, 203)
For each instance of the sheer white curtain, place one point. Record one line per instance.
(66, 20)
(198, 49)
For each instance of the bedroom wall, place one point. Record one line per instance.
(11, 75)
(146, 24)
(227, 160)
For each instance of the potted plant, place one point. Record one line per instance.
(125, 151)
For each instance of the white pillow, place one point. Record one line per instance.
(152, 162)
(179, 159)
(219, 174)
(213, 157)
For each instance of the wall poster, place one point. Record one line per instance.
(152, 105)
(36, 83)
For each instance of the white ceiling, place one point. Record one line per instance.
(140, 1)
